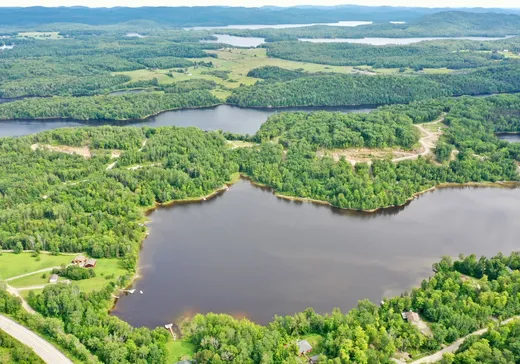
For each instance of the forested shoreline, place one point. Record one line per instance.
(87, 190)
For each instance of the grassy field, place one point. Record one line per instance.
(178, 349)
(238, 62)
(40, 35)
(104, 268)
(12, 265)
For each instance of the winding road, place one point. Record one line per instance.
(48, 353)
(437, 356)
(428, 140)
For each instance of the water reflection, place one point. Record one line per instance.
(223, 117)
(247, 251)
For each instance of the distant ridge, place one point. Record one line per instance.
(217, 15)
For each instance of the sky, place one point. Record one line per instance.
(253, 3)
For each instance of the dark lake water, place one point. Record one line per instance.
(385, 41)
(223, 117)
(512, 138)
(248, 253)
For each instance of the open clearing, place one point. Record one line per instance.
(238, 62)
(430, 134)
(40, 35)
(179, 349)
(82, 151)
(106, 270)
(13, 265)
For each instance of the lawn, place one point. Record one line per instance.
(179, 348)
(104, 268)
(12, 265)
(315, 340)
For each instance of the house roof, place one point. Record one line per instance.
(80, 258)
(303, 346)
(412, 316)
(91, 261)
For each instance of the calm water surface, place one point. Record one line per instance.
(512, 138)
(223, 117)
(236, 41)
(249, 253)
(385, 41)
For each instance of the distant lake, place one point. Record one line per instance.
(223, 117)
(510, 137)
(236, 41)
(126, 92)
(385, 41)
(5, 46)
(248, 253)
(282, 26)
(135, 35)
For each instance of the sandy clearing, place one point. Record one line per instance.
(428, 142)
(83, 151)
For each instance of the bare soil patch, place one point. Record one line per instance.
(83, 151)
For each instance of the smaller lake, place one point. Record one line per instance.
(223, 117)
(126, 92)
(135, 35)
(510, 137)
(283, 26)
(387, 41)
(5, 46)
(236, 41)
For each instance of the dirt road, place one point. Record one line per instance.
(428, 141)
(453, 347)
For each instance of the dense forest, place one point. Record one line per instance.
(338, 130)
(95, 202)
(341, 90)
(70, 203)
(431, 54)
(105, 107)
(78, 61)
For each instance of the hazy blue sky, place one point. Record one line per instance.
(108, 3)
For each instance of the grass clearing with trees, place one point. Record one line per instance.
(13, 265)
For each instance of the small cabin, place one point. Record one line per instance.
(90, 263)
(303, 347)
(53, 279)
(80, 260)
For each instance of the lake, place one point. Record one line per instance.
(135, 35)
(249, 253)
(223, 117)
(385, 41)
(283, 26)
(236, 41)
(510, 137)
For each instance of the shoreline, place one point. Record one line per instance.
(224, 103)
(502, 184)
(243, 176)
(234, 179)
